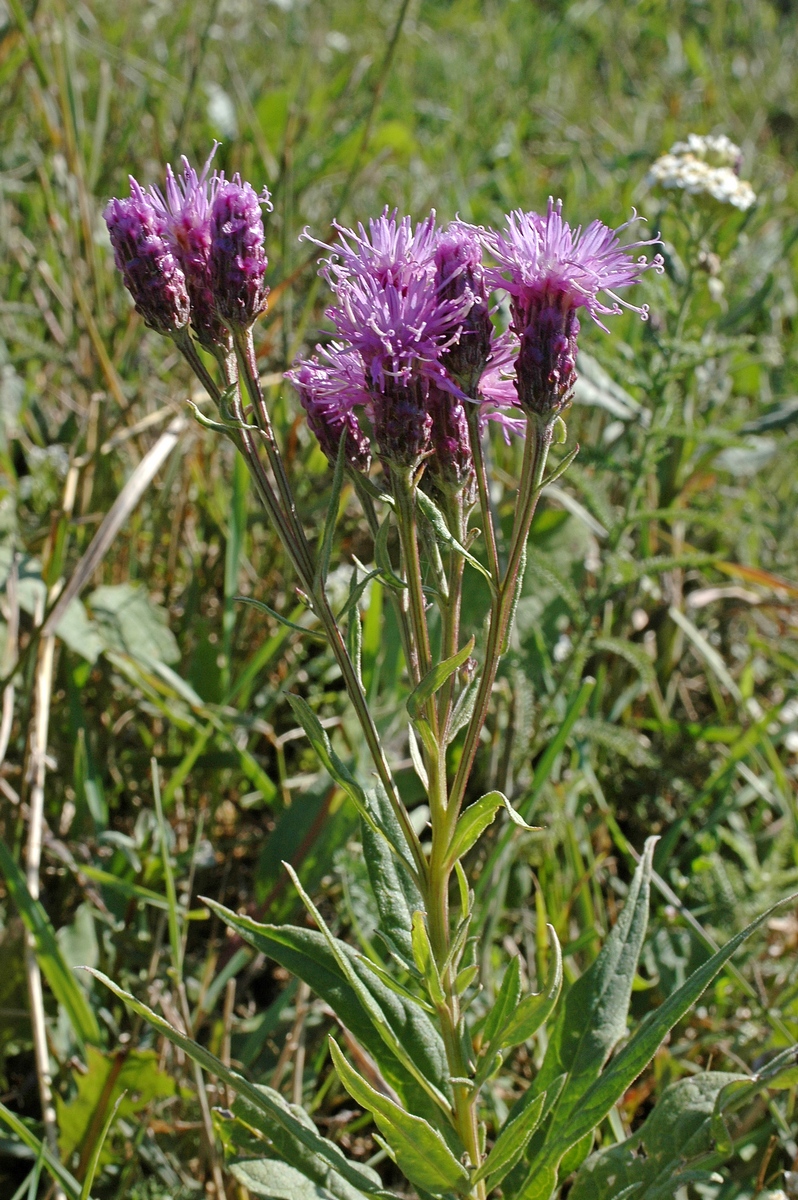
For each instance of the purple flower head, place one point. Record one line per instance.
(186, 206)
(450, 466)
(329, 391)
(150, 270)
(554, 271)
(498, 394)
(460, 276)
(237, 257)
(390, 252)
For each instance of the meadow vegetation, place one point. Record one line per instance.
(650, 685)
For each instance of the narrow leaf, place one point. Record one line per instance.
(29, 1139)
(434, 680)
(425, 959)
(383, 559)
(311, 633)
(506, 1001)
(94, 1162)
(328, 533)
(535, 1009)
(445, 535)
(420, 1151)
(511, 1144)
(475, 820)
(65, 987)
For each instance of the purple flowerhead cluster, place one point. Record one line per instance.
(550, 272)
(194, 250)
(415, 340)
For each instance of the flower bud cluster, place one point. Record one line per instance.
(705, 166)
(193, 252)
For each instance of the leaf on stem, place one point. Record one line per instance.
(447, 538)
(311, 633)
(328, 533)
(434, 680)
(511, 1144)
(425, 960)
(419, 1150)
(476, 819)
(533, 1010)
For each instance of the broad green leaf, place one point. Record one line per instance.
(420, 1151)
(132, 623)
(276, 1180)
(29, 1139)
(62, 981)
(368, 1001)
(656, 1159)
(395, 893)
(539, 1184)
(306, 953)
(592, 1019)
(475, 820)
(596, 1102)
(535, 1009)
(260, 1100)
(434, 680)
(131, 1077)
(511, 1143)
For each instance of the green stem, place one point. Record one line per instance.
(538, 441)
(488, 530)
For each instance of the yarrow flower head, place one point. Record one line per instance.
(186, 205)
(237, 258)
(704, 166)
(329, 390)
(149, 267)
(554, 271)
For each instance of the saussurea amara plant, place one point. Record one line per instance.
(400, 400)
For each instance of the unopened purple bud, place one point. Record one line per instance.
(149, 268)
(237, 257)
(546, 364)
(460, 275)
(402, 425)
(451, 464)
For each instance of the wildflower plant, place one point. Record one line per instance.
(401, 399)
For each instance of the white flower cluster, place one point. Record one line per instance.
(705, 165)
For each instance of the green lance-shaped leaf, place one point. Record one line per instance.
(592, 1019)
(425, 960)
(368, 1001)
(506, 1002)
(434, 680)
(259, 1099)
(475, 820)
(395, 891)
(328, 533)
(383, 559)
(307, 954)
(511, 1144)
(535, 1009)
(678, 1132)
(419, 1150)
(320, 742)
(315, 634)
(62, 981)
(94, 1161)
(596, 1102)
(446, 537)
(276, 1180)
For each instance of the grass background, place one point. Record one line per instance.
(683, 498)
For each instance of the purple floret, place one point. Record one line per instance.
(149, 268)
(237, 257)
(186, 206)
(551, 271)
(460, 276)
(391, 251)
(329, 391)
